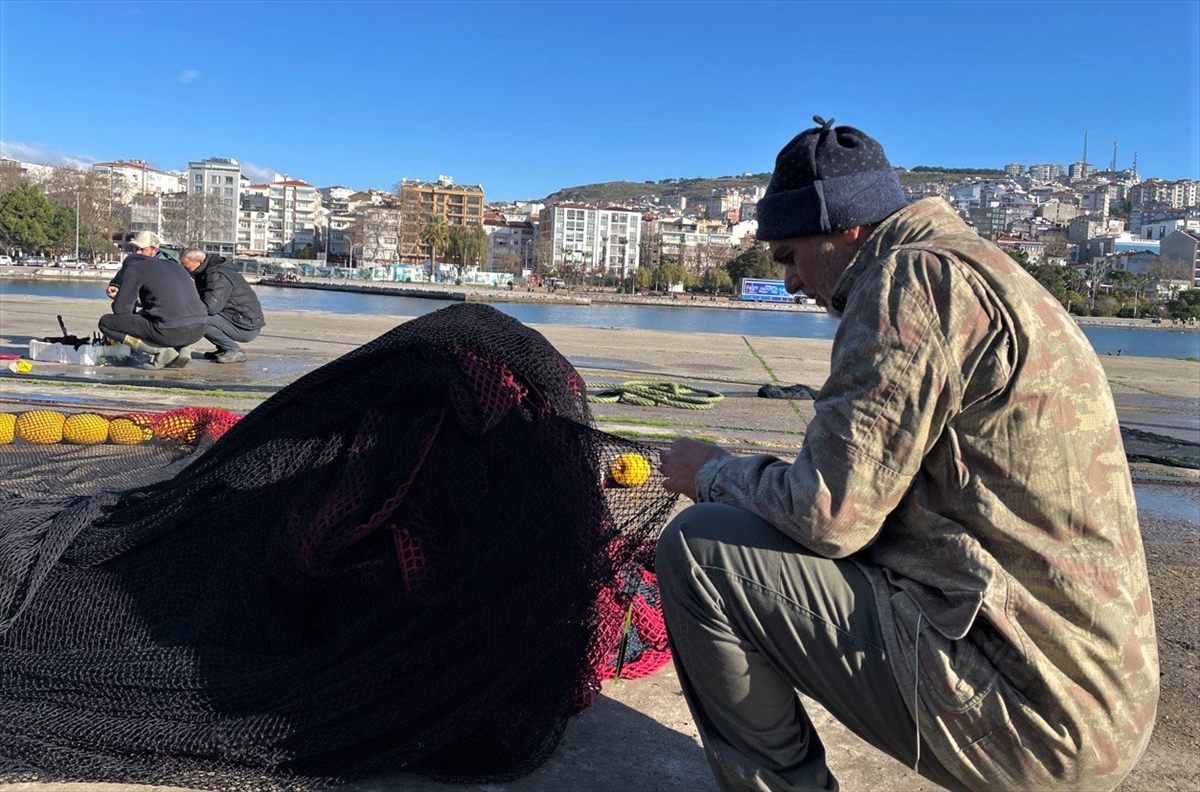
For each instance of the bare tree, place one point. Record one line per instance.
(191, 219)
(88, 193)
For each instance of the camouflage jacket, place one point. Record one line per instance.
(966, 454)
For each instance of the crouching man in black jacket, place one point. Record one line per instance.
(171, 316)
(234, 314)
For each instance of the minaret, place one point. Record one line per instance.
(1084, 160)
(1113, 168)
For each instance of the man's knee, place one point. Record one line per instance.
(673, 555)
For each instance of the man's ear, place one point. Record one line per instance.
(855, 234)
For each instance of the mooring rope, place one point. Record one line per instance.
(652, 394)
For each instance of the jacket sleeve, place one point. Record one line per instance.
(216, 293)
(885, 404)
(130, 285)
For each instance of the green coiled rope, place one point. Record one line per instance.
(652, 394)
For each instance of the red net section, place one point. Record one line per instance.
(419, 557)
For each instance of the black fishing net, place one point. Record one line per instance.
(409, 559)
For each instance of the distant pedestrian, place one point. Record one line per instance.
(235, 315)
(156, 309)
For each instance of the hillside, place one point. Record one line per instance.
(627, 192)
(698, 189)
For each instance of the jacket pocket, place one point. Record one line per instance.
(954, 681)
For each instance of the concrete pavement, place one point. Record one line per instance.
(639, 736)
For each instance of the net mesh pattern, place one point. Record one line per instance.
(413, 558)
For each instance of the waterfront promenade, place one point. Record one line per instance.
(639, 735)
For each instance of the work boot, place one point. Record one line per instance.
(231, 356)
(213, 354)
(160, 357)
(185, 357)
(136, 344)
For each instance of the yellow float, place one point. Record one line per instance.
(123, 431)
(8, 424)
(40, 427)
(630, 470)
(85, 429)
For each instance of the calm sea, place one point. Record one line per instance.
(1163, 343)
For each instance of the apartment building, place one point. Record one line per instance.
(377, 233)
(1183, 245)
(459, 204)
(128, 179)
(294, 208)
(214, 192)
(697, 245)
(254, 222)
(1177, 194)
(1042, 172)
(723, 205)
(586, 241)
(510, 244)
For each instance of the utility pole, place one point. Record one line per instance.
(77, 225)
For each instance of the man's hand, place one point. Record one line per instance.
(111, 291)
(680, 463)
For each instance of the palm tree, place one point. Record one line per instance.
(435, 234)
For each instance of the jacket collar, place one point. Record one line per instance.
(919, 221)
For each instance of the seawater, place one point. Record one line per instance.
(1158, 342)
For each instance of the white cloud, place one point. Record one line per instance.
(27, 152)
(187, 76)
(257, 174)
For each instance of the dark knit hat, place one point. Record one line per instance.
(828, 179)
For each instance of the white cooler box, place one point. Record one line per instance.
(86, 355)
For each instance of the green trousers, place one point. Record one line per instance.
(754, 619)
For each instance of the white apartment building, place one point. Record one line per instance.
(128, 179)
(1042, 172)
(214, 188)
(698, 245)
(30, 171)
(721, 202)
(589, 241)
(1164, 228)
(254, 221)
(294, 210)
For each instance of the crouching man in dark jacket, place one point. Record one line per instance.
(234, 314)
(171, 316)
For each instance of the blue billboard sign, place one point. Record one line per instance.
(763, 290)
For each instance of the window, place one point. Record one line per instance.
(214, 179)
(198, 178)
(197, 190)
(215, 190)
(229, 180)
(229, 191)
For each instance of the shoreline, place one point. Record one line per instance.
(490, 294)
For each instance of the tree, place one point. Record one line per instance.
(435, 234)
(643, 277)
(190, 219)
(466, 246)
(672, 273)
(26, 219)
(1056, 245)
(89, 193)
(717, 280)
(753, 263)
(1022, 258)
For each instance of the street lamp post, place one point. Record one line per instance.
(76, 225)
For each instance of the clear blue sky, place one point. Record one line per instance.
(529, 97)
